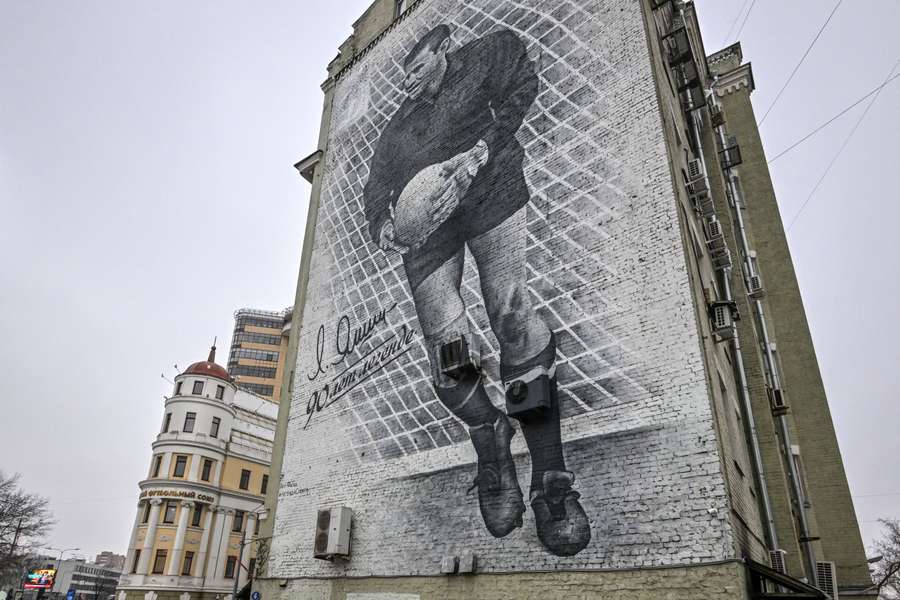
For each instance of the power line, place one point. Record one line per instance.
(803, 58)
(733, 23)
(831, 120)
(747, 16)
(843, 146)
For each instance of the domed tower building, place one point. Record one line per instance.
(195, 533)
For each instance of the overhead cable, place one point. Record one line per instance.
(831, 120)
(802, 58)
(843, 146)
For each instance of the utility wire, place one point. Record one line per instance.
(803, 58)
(843, 146)
(747, 16)
(831, 120)
(733, 23)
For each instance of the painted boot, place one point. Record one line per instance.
(562, 526)
(499, 495)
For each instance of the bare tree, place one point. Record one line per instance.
(24, 521)
(887, 571)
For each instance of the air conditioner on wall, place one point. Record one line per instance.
(333, 533)
(776, 400)
(715, 235)
(826, 579)
(778, 559)
(755, 287)
(723, 316)
(694, 169)
(716, 116)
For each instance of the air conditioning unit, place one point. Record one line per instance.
(529, 400)
(678, 47)
(723, 316)
(716, 116)
(715, 235)
(755, 287)
(776, 400)
(721, 259)
(460, 356)
(333, 533)
(695, 169)
(778, 559)
(826, 579)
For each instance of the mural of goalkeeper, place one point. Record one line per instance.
(447, 174)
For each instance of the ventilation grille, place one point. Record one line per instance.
(778, 560)
(826, 579)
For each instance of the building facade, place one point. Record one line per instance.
(549, 340)
(88, 581)
(196, 528)
(110, 560)
(258, 349)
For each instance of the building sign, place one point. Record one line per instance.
(40, 579)
(496, 186)
(186, 494)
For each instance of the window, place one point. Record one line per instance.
(229, 567)
(146, 516)
(220, 392)
(137, 560)
(238, 521)
(198, 515)
(169, 515)
(402, 5)
(178, 388)
(166, 422)
(214, 429)
(207, 469)
(188, 562)
(257, 388)
(198, 388)
(251, 371)
(255, 338)
(159, 565)
(263, 355)
(245, 479)
(157, 463)
(256, 527)
(251, 568)
(180, 466)
(189, 420)
(265, 484)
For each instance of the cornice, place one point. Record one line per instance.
(734, 81)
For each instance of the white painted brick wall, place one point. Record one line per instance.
(606, 272)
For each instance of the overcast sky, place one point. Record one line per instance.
(147, 192)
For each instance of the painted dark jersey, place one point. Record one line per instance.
(488, 88)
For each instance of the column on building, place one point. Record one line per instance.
(219, 551)
(223, 547)
(178, 544)
(150, 538)
(129, 555)
(249, 525)
(200, 570)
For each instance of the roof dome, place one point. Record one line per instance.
(208, 368)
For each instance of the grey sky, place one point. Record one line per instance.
(147, 192)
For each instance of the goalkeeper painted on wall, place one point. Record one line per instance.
(447, 174)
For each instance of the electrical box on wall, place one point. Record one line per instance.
(333, 533)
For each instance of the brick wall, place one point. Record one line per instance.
(606, 271)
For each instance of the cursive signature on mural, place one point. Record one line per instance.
(346, 339)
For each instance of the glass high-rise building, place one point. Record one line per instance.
(258, 349)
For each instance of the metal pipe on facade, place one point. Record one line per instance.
(772, 373)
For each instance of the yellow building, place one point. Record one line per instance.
(258, 349)
(200, 505)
